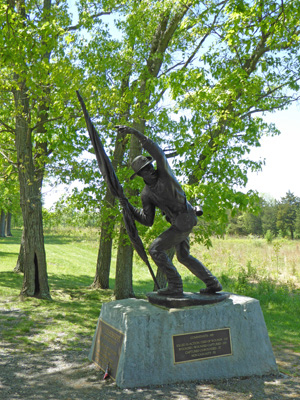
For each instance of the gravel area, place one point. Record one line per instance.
(59, 374)
(68, 375)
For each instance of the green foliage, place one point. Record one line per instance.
(272, 218)
(287, 213)
(217, 91)
(238, 60)
(269, 217)
(9, 185)
(277, 247)
(269, 236)
(69, 217)
(297, 224)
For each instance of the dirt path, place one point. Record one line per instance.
(64, 375)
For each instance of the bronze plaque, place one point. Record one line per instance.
(107, 348)
(201, 345)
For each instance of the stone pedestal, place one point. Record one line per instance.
(143, 344)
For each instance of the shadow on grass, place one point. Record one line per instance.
(62, 239)
(33, 325)
(15, 239)
(50, 238)
(11, 280)
(65, 238)
(8, 254)
(62, 281)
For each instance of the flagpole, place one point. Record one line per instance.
(115, 187)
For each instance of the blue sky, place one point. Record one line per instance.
(282, 157)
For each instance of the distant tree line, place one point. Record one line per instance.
(275, 218)
(66, 213)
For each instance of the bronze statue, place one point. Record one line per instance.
(162, 190)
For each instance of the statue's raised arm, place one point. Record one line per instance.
(152, 148)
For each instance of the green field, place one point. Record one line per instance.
(269, 272)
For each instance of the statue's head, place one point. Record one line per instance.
(139, 163)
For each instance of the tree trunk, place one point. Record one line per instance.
(101, 280)
(160, 276)
(8, 224)
(35, 282)
(2, 224)
(161, 279)
(123, 285)
(20, 263)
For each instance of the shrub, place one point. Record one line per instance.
(269, 236)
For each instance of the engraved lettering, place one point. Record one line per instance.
(201, 345)
(107, 348)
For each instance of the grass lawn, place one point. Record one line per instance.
(245, 266)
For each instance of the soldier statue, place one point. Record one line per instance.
(162, 190)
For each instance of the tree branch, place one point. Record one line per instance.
(7, 158)
(79, 25)
(9, 128)
(41, 123)
(284, 103)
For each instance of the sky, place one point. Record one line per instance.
(282, 157)
(281, 154)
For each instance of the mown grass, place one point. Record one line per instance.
(248, 266)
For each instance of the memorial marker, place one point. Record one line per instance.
(201, 345)
(107, 349)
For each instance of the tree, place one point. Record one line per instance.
(101, 279)
(253, 224)
(245, 72)
(9, 187)
(236, 224)
(159, 37)
(37, 73)
(2, 224)
(219, 66)
(8, 224)
(269, 217)
(136, 93)
(287, 213)
(297, 223)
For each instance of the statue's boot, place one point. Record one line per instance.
(199, 270)
(174, 288)
(171, 291)
(212, 286)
